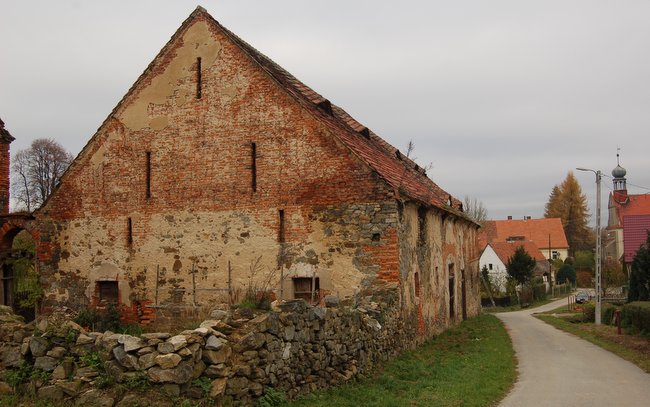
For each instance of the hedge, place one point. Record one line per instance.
(636, 316)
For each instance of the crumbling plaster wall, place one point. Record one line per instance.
(202, 207)
(430, 241)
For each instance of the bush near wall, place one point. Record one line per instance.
(636, 316)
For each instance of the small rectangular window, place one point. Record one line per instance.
(281, 226)
(198, 78)
(148, 175)
(306, 288)
(254, 166)
(490, 266)
(108, 292)
(129, 237)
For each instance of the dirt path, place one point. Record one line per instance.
(559, 369)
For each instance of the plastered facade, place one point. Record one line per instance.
(211, 174)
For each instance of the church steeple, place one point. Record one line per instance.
(619, 181)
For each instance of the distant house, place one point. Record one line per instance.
(628, 220)
(635, 233)
(496, 255)
(546, 233)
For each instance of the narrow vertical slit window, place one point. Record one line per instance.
(148, 176)
(129, 235)
(254, 166)
(281, 228)
(198, 78)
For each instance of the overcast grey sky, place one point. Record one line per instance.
(503, 97)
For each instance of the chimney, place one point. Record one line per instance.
(5, 140)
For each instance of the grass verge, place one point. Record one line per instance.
(471, 365)
(633, 348)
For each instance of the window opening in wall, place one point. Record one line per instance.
(129, 236)
(198, 78)
(417, 285)
(148, 175)
(281, 228)
(108, 292)
(422, 225)
(376, 237)
(490, 266)
(254, 166)
(306, 288)
(452, 291)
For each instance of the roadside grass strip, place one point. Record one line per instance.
(470, 365)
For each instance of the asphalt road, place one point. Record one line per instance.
(560, 370)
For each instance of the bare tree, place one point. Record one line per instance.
(475, 209)
(37, 171)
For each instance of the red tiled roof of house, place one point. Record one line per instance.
(635, 233)
(505, 250)
(636, 205)
(535, 230)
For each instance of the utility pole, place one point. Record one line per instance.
(598, 245)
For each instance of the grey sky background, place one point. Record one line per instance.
(503, 97)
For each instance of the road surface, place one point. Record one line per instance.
(560, 370)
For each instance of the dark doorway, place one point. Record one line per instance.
(306, 288)
(452, 291)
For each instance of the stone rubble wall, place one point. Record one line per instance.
(295, 348)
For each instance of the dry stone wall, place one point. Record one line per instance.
(235, 355)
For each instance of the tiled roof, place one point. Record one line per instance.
(535, 230)
(636, 205)
(402, 174)
(635, 233)
(505, 250)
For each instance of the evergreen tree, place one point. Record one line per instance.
(640, 274)
(566, 272)
(568, 203)
(554, 207)
(520, 266)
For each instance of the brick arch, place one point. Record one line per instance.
(11, 226)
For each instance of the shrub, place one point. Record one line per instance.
(87, 318)
(272, 397)
(636, 316)
(539, 291)
(606, 313)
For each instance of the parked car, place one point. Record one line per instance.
(582, 297)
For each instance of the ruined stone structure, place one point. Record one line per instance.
(220, 172)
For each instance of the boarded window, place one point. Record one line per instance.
(108, 291)
(306, 288)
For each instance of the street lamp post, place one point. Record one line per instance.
(598, 244)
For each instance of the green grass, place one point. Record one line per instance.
(471, 365)
(587, 332)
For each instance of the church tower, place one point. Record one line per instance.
(619, 181)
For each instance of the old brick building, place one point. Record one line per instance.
(219, 169)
